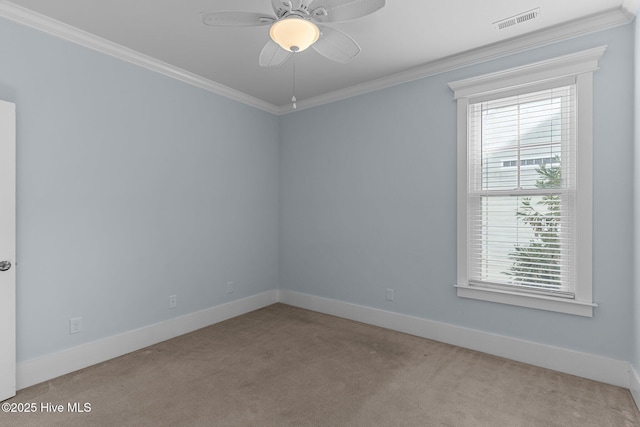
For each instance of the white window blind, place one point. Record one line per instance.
(521, 192)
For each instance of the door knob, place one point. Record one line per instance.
(5, 265)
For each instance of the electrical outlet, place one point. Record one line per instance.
(389, 294)
(173, 301)
(75, 325)
(229, 287)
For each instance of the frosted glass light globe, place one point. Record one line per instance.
(294, 34)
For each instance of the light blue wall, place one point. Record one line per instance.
(368, 202)
(131, 187)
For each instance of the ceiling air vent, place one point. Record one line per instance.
(517, 19)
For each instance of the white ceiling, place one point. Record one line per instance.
(403, 36)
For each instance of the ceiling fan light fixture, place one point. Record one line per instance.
(294, 34)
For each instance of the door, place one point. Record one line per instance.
(7, 250)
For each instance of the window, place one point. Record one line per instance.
(524, 185)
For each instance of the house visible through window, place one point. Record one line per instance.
(524, 185)
(529, 162)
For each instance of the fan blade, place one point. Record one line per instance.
(273, 55)
(233, 18)
(336, 45)
(343, 10)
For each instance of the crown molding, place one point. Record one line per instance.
(64, 31)
(545, 37)
(624, 15)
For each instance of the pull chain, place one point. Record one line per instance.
(293, 98)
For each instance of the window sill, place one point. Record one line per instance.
(541, 302)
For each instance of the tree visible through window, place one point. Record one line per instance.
(538, 261)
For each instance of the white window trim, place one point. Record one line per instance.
(579, 67)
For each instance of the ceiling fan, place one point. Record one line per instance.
(297, 25)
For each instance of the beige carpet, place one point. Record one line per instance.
(284, 366)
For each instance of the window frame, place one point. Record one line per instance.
(477, 192)
(577, 68)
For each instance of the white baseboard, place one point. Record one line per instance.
(50, 366)
(634, 385)
(598, 368)
(584, 365)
